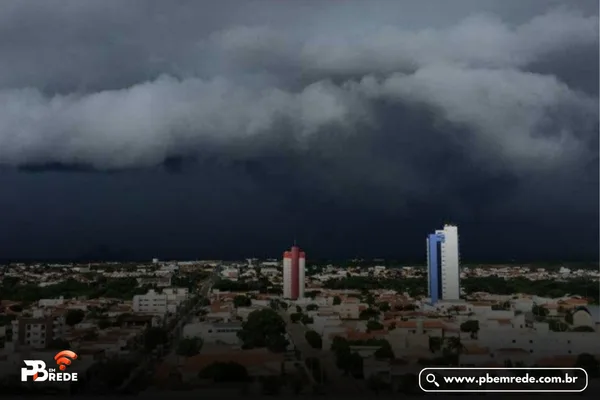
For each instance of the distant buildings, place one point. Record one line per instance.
(443, 264)
(294, 264)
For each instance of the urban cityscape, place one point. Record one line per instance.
(299, 198)
(285, 326)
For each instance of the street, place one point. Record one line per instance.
(338, 382)
(188, 309)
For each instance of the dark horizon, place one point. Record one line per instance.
(156, 129)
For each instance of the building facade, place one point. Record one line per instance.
(443, 268)
(37, 331)
(294, 263)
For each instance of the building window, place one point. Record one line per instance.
(514, 341)
(531, 341)
(531, 351)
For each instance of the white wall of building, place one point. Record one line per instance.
(450, 263)
(301, 278)
(151, 303)
(287, 278)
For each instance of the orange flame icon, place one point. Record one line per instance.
(63, 358)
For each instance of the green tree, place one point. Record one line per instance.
(311, 294)
(454, 345)
(385, 351)
(104, 323)
(337, 300)
(312, 307)
(306, 319)
(264, 328)
(539, 311)
(374, 326)
(569, 317)
(557, 326)
(368, 314)
(314, 339)
(242, 301)
(189, 347)
(298, 309)
(295, 317)
(435, 343)
(384, 307)
(471, 326)
(74, 317)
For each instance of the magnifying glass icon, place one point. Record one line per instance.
(430, 378)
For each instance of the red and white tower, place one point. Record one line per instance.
(294, 262)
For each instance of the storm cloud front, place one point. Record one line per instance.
(187, 129)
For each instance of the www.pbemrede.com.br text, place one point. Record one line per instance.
(503, 380)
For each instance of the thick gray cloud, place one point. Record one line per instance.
(375, 104)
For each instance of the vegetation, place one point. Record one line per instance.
(539, 311)
(312, 307)
(351, 362)
(242, 301)
(418, 286)
(190, 280)
(295, 317)
(374, 326)
(337, 300)
(74, 317)
(264, 328)
(314, 339)
(471, 326)
(263, 285)
(546, 288)
(415, 286)
(369, 313)
(314, 365)
(189, 347)
(569, 317)
(557, 326)
(118, 288)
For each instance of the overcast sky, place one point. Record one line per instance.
(227, 129)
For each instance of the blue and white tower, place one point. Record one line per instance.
(443, 269)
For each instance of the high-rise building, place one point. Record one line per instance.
(443, 269)
(294, 262)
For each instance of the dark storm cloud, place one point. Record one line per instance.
(388, 109)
